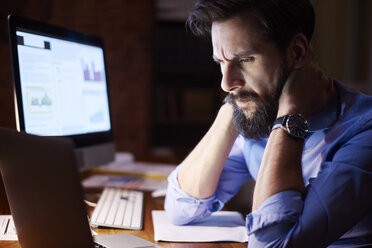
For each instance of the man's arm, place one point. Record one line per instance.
(323, 213)
(200, 171)
(306, 90)
(280, 167)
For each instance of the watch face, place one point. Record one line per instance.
(297, 126)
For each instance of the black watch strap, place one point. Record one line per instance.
(279, 122)
(295, 125)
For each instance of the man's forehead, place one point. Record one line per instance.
(235, 37)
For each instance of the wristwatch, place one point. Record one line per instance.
(295, 125)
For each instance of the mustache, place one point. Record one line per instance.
(242, 95)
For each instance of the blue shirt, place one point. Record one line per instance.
(336, 209)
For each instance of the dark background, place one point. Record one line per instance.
(164, 87)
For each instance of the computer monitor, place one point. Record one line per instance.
(60, 86)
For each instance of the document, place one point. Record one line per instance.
(220, 226)
(125, 164)
(125, 172)
(7, 228)
(125, 182)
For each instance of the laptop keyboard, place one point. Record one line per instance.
(119, 208)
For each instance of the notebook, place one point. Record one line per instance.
(45, 196)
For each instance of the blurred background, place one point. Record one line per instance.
(164, 87)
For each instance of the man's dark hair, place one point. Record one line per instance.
(279, 19)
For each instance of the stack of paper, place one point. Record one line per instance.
(125, 172)
(102, 181)
(124, 164)
(220, 226)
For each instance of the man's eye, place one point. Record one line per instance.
(246, 60)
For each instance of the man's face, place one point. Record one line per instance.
(253, 73)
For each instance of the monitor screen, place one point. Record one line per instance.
(63, 86)
(60, 83)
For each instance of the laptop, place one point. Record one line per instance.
(45, 196)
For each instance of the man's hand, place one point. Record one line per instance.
(306, 90)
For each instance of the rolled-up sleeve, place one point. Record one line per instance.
(275, 217)
(182, 208)
(336, 208)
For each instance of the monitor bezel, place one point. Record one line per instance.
(18, 23)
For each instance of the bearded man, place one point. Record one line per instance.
(303, 137)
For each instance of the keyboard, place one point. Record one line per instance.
(119, 208)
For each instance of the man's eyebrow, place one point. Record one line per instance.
(236, 55)
(243, 54)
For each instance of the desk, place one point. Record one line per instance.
(147, 232)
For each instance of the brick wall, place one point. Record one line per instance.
(128, 28)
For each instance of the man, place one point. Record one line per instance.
(303, 137)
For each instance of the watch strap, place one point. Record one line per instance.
(279, 122)
(282, 122)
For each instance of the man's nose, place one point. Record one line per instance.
(232, 78)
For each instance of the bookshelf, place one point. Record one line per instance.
(187, 92)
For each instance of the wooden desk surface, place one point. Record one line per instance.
(147, 232)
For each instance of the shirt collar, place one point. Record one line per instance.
(328, 115)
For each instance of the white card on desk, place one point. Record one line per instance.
(220, 226)
(7, 228)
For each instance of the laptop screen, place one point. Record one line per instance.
(63, 86)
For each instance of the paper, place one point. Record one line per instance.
(7, 228)
(102, 181)
(124, 240)
(123, 157)
(220, 226)
(124, 165)
(148, 168)
(143, 169)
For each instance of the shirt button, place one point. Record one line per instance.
(216, 205)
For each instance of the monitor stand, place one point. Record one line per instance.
(96, 155)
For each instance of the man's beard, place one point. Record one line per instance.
(257, 124)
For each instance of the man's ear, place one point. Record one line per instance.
(299, 50)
